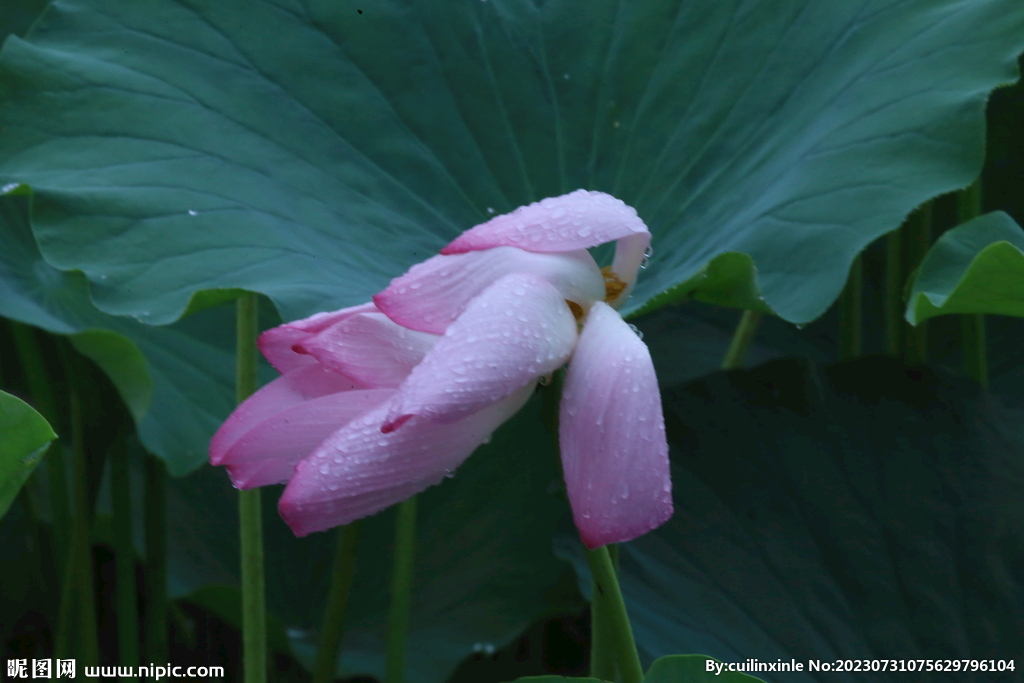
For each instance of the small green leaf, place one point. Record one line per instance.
(694, 669)
(977, 267)
(24, 435)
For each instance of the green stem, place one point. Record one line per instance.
(401, 591)
(81, 554)
(250, 515)
(917, 238)
(333, 624)
(894, 324)
(613, 620)
(741, 340)
(156, 559)
(972, 325)
(851, 313)
(124, 554)
(40, 388)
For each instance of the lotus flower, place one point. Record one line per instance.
(378, 402)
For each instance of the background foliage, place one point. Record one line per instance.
(161, 156)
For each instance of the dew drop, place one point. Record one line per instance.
(637, 332)
(325, 468)
(490, 209)
(8, 187)
(559, 212)
(565, 76)
(192, 212)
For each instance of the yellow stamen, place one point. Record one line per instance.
(613, 286)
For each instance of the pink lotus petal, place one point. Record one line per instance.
(577, 220)
(359, 471)
(291, 389)
(517, 330)
(630, 255)
(268, 453)
(434, 293)
(370, 349)
(612, 434)
(276, 343)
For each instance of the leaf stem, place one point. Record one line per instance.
(332, 628)
(917, 234)
(40, 388)
(80, 557)
(894, 323)
(972, 325)
(613, 620)
(851, 313)
(250, 515)
(156, 559)
(124, 554)
(741, 340)
(401, 591)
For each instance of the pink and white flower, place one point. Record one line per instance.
(378, 402)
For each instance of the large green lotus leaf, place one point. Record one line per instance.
(314, 150)
(177, 381)
(484, 566)
(24, 435)
(977, 267)
(861, 510)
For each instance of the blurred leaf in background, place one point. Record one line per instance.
(24, 436)
(857, 510)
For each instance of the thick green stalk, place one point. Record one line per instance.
(741, 340)
(40, 389)
(333, 624)
(156, 559)
(894, 323)
(401, 591)
(250, 515)
(851, 313)
(972, 325)
(613, 621)
(124, 555)
(81, 554)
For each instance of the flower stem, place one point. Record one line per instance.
(124, 554)
(741, 340)
(250, 516)
(401, 591)
(333, 624)
(156, 559)
(603, 663)
(972, 325)
(613, 619)
(250, 510)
